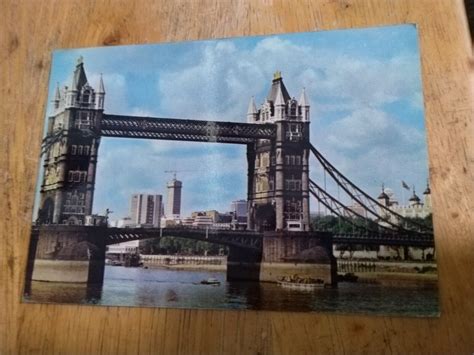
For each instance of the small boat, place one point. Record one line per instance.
(113, 262)
(347, 277)
(297, 283)
(210, 281)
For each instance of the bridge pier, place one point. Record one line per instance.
(243, 264)
(303, 253)
(69, 254)
(285, 254)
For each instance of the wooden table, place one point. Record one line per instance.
(30, 29)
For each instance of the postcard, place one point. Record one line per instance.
(286, 172)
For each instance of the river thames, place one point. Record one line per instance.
(157, 287)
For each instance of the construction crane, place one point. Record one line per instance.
(174, 172)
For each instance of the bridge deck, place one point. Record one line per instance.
(241, 239)
(412, 240)
(184, 130)
(253, 240)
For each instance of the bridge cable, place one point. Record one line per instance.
(346, 184)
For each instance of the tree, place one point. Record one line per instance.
(176, 245)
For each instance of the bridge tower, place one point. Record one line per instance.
(278, 181)
(70, 147)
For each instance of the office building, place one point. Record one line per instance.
(146, 209)
(173, 202)
(239, 208)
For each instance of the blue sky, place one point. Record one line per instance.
(364, 86)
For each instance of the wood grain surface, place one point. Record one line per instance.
(30, 30)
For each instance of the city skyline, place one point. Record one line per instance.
(371, 129)
(234, 206)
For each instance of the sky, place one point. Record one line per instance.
(364, 87)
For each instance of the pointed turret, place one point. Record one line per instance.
(303, 101)
(279, 100)
(57, 97)
(278, 97)
(252, 111)
(427, 195)
(79, 78)
(304, 105)
(100, 94)
(414, 199)
(279, 105)
(427, 190)
(278, 86)
(101, 85)
(383, 197)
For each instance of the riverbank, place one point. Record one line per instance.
(398, 279)
(185, 262)
(184, 267)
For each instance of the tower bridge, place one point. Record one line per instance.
(277, 138)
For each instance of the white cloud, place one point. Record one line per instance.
(370, 147)
(364, 141)
(219, 81)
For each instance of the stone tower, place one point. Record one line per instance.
(70, 151)
(278, 182)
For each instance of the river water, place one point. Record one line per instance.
(181, 289)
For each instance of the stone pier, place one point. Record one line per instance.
(285, 254)
(303, 253)
(68, 253)
(243, 264)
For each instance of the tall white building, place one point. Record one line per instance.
(239, 208)
(146, 209)
(173, 199)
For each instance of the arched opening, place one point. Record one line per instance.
(45, 214)
(86, 97)
(73, 220)
(265, 217)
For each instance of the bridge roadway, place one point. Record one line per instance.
(241, 239)
(253, 240)
(184, 130)
(422, 240)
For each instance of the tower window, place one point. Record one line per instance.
(83, 120)
(293, 109)
(79, 150)
(292, 184)
(297, 185)
(86, 150)
(294, 128)
(73, 149)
